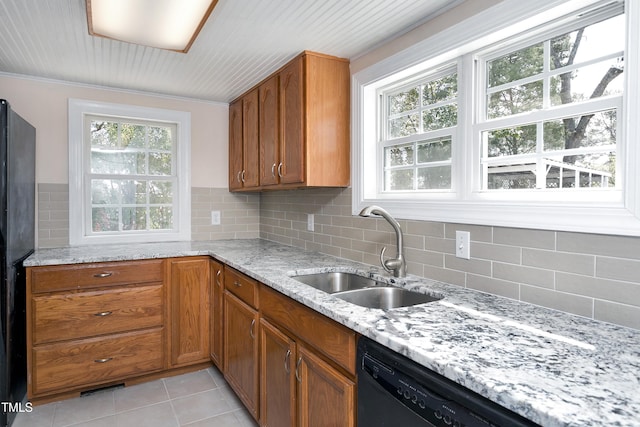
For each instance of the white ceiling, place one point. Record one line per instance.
(242, 42)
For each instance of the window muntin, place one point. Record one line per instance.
(132, 175)
(528, 90)
(129, 175)
(420, 120)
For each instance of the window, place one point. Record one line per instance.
(128, 173)
(514, 117)
(549, 119)
(419, 122)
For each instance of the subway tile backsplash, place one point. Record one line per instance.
(596, 276)
(53, 215)
(239, 215)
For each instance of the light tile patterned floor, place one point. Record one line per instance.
(197, 399)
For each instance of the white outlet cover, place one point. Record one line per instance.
(215, 217)
(463, 244)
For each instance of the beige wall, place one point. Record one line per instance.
(45, 105)
(421, 32)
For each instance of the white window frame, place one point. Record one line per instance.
(384, 141)
(79, 191)
(617, 213)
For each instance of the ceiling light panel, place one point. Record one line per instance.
(163, 24)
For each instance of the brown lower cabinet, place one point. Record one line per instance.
(277, 377)
(326, 397)
(289, 365)
(240, 348)
(299, 384)
(190, 289)
(216, 319)
(100, 324)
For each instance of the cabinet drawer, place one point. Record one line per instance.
(336, 342)
(96, 360)
(79, 276)
(85, 314)
(241, 286)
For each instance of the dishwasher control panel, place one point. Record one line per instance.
(394, 390)
(429, 405)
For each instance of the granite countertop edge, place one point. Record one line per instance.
(553, 368)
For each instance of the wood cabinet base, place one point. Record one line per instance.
(131, 381)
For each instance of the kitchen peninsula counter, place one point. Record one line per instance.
(553, 368)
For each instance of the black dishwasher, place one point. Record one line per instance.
(395, 391)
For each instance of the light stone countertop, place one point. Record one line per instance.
(553, 368)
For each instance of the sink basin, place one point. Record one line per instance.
(364, 291)
(332, 282)
(385, 297)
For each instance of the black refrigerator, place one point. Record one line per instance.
(17, 229)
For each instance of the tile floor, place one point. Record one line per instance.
(197, 399)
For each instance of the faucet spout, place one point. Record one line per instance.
(396, 265)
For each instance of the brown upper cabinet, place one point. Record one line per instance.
(243, 142)
(299, 133)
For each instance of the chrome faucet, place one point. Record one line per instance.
(396, 265)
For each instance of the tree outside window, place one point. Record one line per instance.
(532, 87)
(132, 175)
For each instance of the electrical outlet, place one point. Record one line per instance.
(310, 222)
(463, 244)
(215, 217)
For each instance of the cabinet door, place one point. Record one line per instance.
(240, 350)
(292, 143)
(189, 310)
(215, 326)
(277, 379)
(250, 140)
(269, 132)
(236, 162)
(325, 396)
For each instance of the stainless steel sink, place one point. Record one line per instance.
(385, 297)
(332, 282)
(364, 291)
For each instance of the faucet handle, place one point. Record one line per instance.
(382, 261)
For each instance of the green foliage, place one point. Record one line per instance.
(121, 149)
(513, 96)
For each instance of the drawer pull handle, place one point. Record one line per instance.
(251, 333)
(219, 272)
(103, 313)
(238, 284)
(101, 275)
(105, 360)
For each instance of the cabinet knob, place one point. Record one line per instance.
(105, 360)
(238, 284)
(103, 314)
(101, 275)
